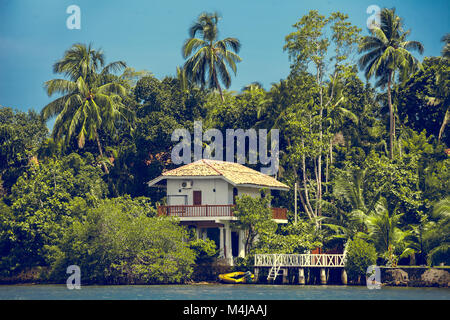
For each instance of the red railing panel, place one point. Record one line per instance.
(186, 211)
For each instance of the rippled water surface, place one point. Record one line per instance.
(219, 292)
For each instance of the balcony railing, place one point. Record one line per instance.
(279, 213)
(189, 211)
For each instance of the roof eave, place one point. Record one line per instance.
(262, 186)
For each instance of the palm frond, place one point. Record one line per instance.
(61, 86)
(114, 67)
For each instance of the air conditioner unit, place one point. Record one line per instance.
(187, 184)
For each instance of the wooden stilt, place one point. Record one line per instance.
(301, 276)
(323, 276)
(344, 277)
(285, 276)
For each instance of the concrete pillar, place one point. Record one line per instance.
(205, 234)
(301, 276)
(199, 232)
(241, 244)
(344, 277)
(285, 276)
(221, 243)
(256, 273)
(228, 252)
(323, 276)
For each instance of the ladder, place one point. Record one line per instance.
(273, 273)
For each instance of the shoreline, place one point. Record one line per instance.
(402, 276)
(210, 283)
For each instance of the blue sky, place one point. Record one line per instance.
(149, 35)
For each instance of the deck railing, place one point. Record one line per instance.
(188, 211)
(300, 260)
(185, 211)
(279, 213)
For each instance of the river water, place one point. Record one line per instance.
(218, 292)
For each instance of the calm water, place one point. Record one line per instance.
(219, 292)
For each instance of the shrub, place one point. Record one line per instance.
(205, 250)
(360, 255)
(117, 243)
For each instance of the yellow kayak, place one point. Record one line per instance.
(237, 277)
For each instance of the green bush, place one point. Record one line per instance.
(118, 244)
(360, 255)
(205, 250)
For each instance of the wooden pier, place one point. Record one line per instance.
(277, 264)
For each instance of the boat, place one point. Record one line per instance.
(237, 277)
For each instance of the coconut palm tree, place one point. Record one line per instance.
(207, 57)
(87, 104)
(383, 228)
(388, 52)
(436, 235)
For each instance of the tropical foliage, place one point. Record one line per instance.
(370, 156)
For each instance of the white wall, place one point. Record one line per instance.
(223, 191)
(253, 192)
(206, 186)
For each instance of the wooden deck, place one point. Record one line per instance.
(300, 260)
(300, 264)
(213, 211)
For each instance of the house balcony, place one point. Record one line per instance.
(211, 212)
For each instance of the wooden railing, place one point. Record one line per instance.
(300, 260)
(279, 213)
(186, 211)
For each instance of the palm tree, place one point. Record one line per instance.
(383, 228)
(436, 235)
(210, 57)
(442, 87)
(87, 104)
(387, 52)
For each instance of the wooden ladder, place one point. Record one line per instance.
(273, 273)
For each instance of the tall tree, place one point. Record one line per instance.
(210, 56)
(387, 53)
(442, 84)
(87, 103)
(309, 48)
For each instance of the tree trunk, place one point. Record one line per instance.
(306, 203)
(101, 153)
(444, 124)
(319, 184)
(319, 161)
(326, 174)
(391, 119)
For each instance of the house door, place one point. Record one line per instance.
(197, 198)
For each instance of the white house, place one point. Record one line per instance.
(202, 194)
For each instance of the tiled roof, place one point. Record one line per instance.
(233, 172)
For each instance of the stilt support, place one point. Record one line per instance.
(323, 276)
(344, 277)
(285, 276)
(301, 276)
(256, 272)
